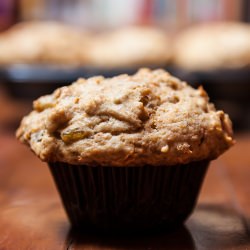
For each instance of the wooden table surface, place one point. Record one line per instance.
(31, 215)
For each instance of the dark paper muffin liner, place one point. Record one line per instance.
(128, 198)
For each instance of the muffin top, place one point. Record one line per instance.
(148, 118)
(213, 45)
(130, 46)
(43, 42)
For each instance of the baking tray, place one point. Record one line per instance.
(31, 81)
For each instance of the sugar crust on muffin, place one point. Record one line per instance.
(149, 118)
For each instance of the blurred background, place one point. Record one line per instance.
(99, 14)
(204, 42)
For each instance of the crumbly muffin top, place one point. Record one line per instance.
(213, 45)
(150, 118)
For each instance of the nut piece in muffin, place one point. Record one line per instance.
(149, 118)
(130, 46)
(213, 45)
(43, 42)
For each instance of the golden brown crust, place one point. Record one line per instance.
(147, 118)
(213, 45)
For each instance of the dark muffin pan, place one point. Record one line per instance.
(32, 81)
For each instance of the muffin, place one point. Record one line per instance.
(43, 43)
(130, 46)
(213, 45)
(127, 153)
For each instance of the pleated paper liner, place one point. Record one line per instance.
(128, 198)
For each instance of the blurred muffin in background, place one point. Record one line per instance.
(130, 46)
(213, 45)
(43, 43)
